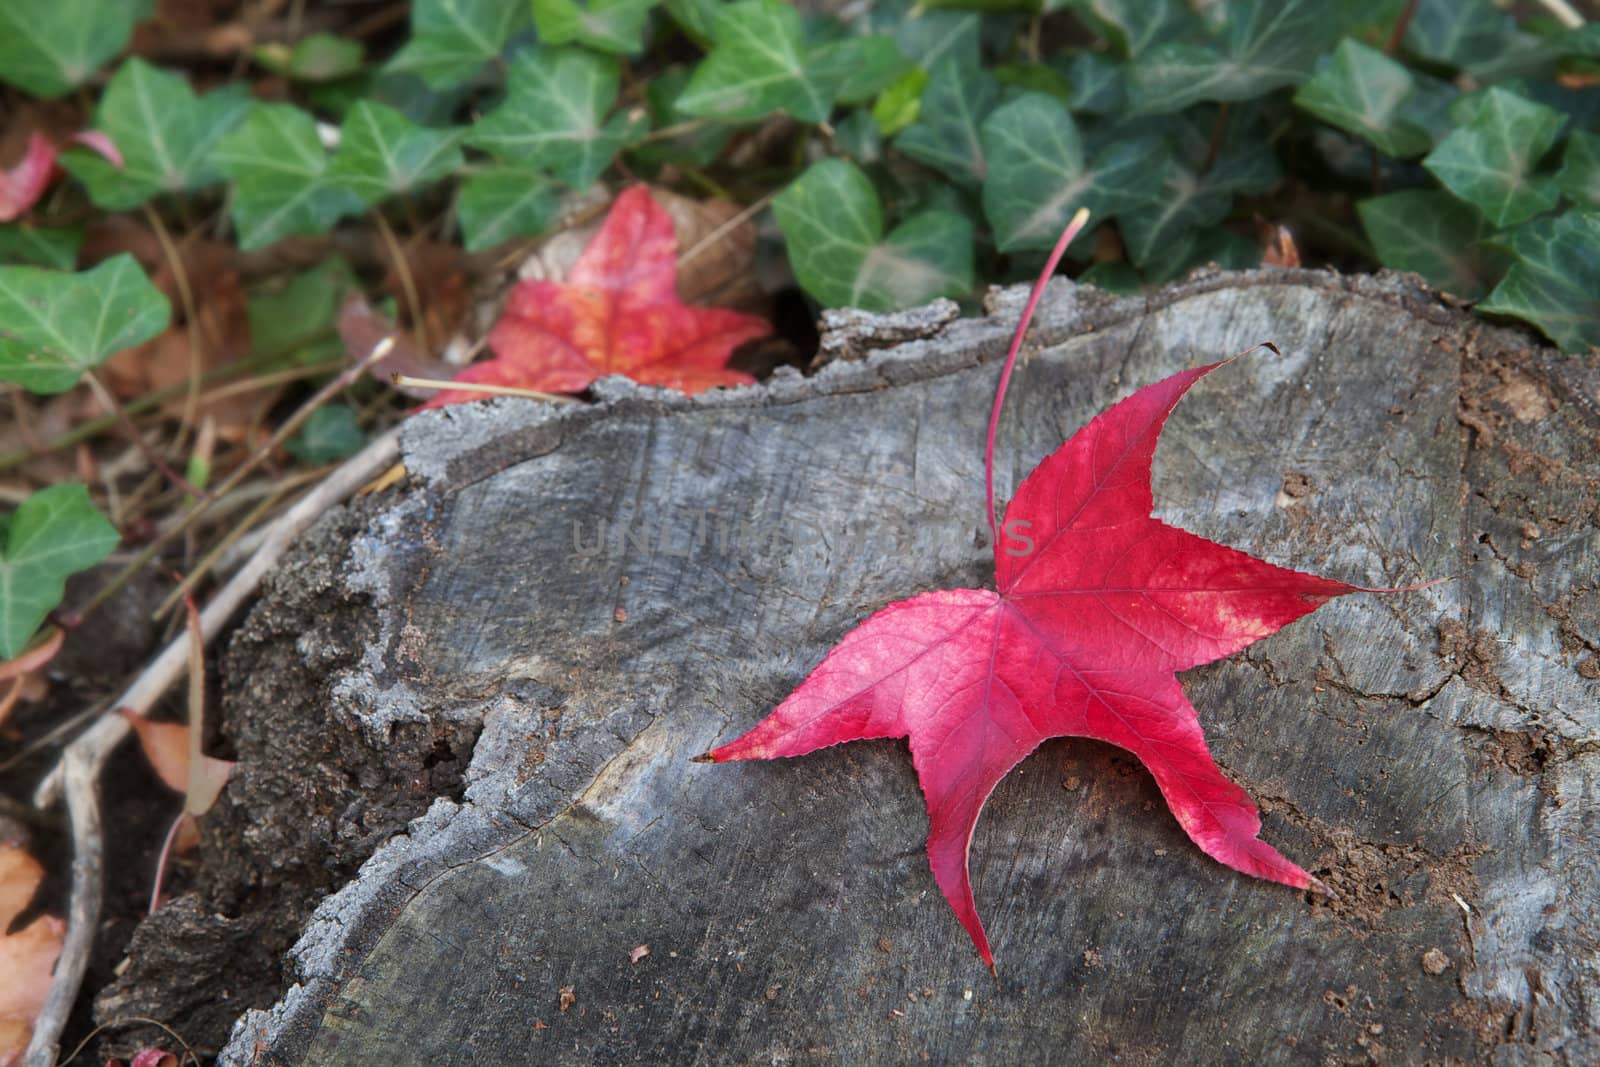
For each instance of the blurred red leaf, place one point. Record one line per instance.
(148, 1057)
(24, 183)
(618, 312)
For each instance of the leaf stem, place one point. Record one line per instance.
(274, 496)
(191, 316)
(408, 284)
(1073, 229)
(480, 387)
(744, 216)
(1214, 145)
(1397, 34)
(109, 401)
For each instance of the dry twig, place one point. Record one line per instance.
(80, 772)
(79, 767)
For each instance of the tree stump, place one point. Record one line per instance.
(563, 605)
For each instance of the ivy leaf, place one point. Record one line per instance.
(295, 320)
(1034, 77)
(451, 40)
(318, 58)
(1431, 233)
(165, 134)
(928, 36)
(832, 223)
(55, 533)
(55, 325)
(279, 171)
(1580, 169)
(1120, 277)
(694, 17)
(553, 116)
(697, 144)
(1263, 45)
(900, 103)
(760, 63)
(382, 153)
(40, 246)
(1460, 33)
(615, 26)
(1039, 173)
(1555, 281)
(1193, 196)
(857, 68)
(500, 203)
(1099, 85)
(1489, 161)
(329, 435)
(50, 47)
(1362, 91)
(946, 134)
(1201, 246)
(1136, 26)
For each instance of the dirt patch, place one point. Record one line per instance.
(1296, 488)
(1527, 399)
(1473, 654)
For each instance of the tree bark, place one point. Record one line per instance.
(567, 604)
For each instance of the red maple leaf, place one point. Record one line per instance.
(1096, 606)
(618, 312)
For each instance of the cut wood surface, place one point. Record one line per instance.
(584, 598)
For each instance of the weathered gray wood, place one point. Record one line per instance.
(1434, 755)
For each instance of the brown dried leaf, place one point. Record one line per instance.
(27, 956)
(222, 327)
(166, 746)
(1279, 248)
(362, 328)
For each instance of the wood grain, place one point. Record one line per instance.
(1433, 755)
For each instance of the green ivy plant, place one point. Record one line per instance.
(934, 147)
(907, 150)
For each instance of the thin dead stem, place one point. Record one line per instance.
(96, 743)
(79, 772)
(191, 315)
(232, 481)
(269, 381)
(109, 401)
(143, 1020)
(1397, 34)
(478, 387)
(138, 406)
(727, 227)
(207, 562)
(1563, 13)
(408, 284)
